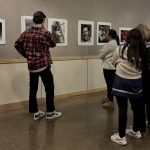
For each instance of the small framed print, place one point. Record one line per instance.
(102, 28)
(85, 32)
(123, 32)
(26, 23)
(2, 31)
(58, 28)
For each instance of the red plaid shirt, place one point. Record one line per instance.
(34, 44)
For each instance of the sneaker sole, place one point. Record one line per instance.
(123, 144)
(53, 117)
(39, 117)
(133, 135)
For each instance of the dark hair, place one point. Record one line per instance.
(136, 49)
(85, 26)
(114, 35)
(38, 17)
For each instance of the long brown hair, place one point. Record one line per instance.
(145, 32)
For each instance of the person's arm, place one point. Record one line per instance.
(51, 41)
(19, 46)
(104, 51)
(115, 57)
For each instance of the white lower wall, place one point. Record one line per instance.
(69, 76)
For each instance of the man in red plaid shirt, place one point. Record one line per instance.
(34, 44)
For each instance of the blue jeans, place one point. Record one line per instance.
(48, 82)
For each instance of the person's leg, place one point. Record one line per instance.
(135, 106)
(109, 76)
(47, 79)
(143, 115)
(33, 107)
(122, 106)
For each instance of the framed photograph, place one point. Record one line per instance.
(102, 28)
(123, 32)
(26, 23)
(2, 31)
(85, 32)
(58, 28)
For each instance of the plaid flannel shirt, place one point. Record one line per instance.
(34, 44)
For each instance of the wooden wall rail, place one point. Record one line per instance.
(23, 60)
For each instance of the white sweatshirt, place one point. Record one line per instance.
(124, 68)
(106, 54)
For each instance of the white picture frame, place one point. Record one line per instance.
(102, 28)
(26, 22)
(125, 30)
(59, 30)
(2, 31)
(88, 37)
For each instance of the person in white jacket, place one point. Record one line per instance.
(106, 54)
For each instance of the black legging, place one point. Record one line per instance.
(109, 76)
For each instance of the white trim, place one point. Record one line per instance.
(126, 91)
(3, 31)
(101, 23)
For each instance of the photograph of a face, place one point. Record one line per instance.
(85, 32)
(26, 23)
(123, 33)
(2, 31)
(58, 29)
(102, 28)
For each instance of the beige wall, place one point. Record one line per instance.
(126, 13)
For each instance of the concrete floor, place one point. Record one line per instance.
(84, 125)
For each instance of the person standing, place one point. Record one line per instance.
(145, 80)
(34, 44)
(129, 60)
(106, 54)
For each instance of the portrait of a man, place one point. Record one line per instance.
(86, 33)
(58, 28)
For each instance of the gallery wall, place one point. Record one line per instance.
(121, 13)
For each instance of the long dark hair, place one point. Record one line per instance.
(114, 35)
(136, 49)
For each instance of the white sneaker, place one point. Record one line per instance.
(38, 115)
(132, 133)
(52, 115)
(117, 139)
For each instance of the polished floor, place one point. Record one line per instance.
(84, 125)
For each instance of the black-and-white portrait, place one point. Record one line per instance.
(102, 28)
(85, 32)
(2, 31)
(29, 23)
(58, 28)
(26, 23)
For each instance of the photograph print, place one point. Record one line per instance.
(85, 32)
(2, 31)
(123, 32)
(102, 28)
(26, 23)
(58, 29)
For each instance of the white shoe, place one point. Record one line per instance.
(39, 115)
(52, 115)
(132, 133)
(117, 139)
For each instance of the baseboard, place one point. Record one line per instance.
(57, 97)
